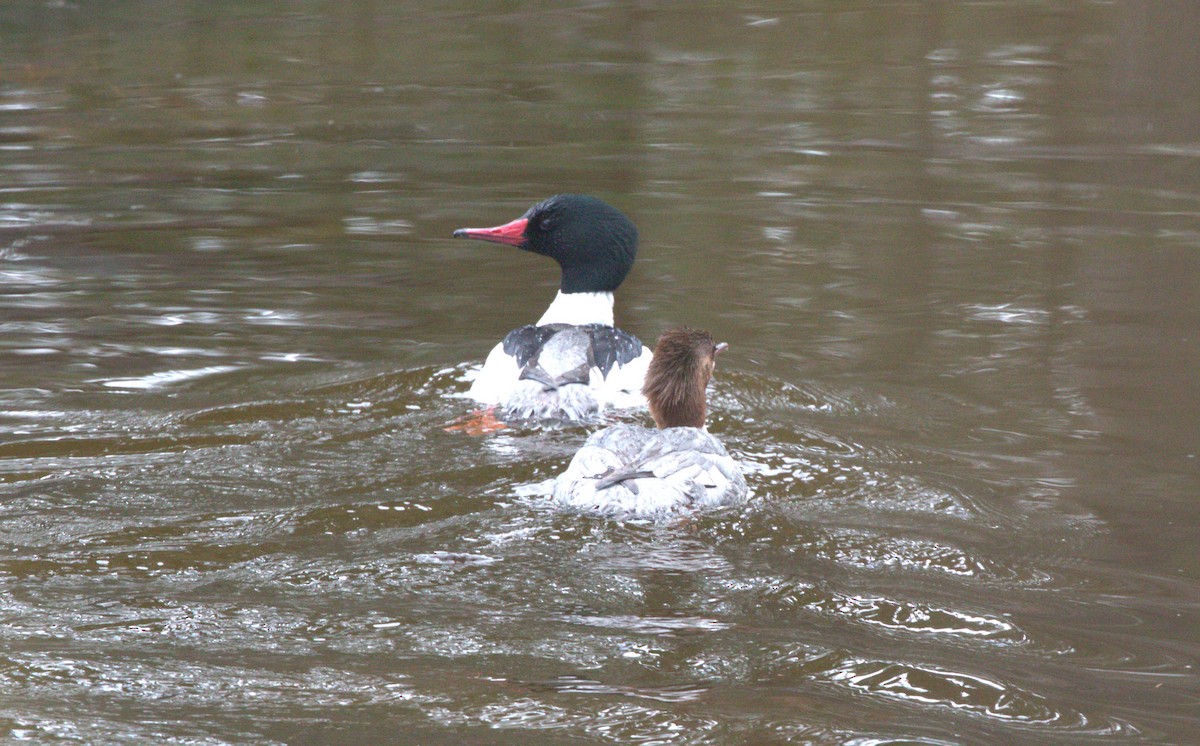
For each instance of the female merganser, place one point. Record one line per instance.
(573, 362)
(632, 471)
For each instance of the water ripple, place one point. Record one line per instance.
(165, 378)
(916, 618)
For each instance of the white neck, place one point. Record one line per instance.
(579, 308)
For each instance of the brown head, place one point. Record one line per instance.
(679, 372)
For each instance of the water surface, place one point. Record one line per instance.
(952, 247)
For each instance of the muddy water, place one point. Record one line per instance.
(952, 247)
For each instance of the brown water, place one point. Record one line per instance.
(953, 247)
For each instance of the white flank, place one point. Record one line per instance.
(497, 381)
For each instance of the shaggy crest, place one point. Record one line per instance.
(679, 372)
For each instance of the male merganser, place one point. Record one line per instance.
(573, 363)
(631, 471)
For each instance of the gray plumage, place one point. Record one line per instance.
(630, 471)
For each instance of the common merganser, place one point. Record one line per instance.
(573, 362)
(637, 472)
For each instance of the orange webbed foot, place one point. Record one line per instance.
(479, 422)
